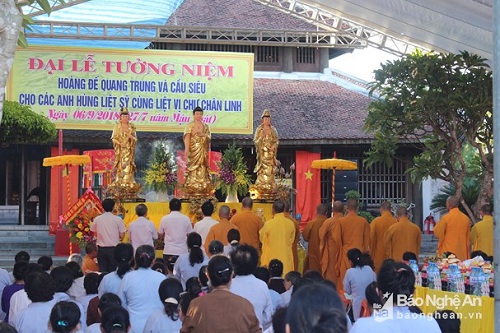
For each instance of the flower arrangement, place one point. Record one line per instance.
(233, 175)
(283, 179)
(161, 174)
(79, 228)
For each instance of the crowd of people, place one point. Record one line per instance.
(235, 274)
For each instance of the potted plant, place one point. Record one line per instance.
(233, 177)
(161, 175)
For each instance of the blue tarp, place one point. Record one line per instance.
(137, 12)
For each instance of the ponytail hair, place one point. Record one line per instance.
(144, 256)
(396, 278)
(169, 292)
(356, 257)
(64, 317)
(195, 251)
(123, 254)
(115, 320)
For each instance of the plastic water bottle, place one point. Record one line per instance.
(413, 265)
(452, 278)
(475, 281)
(432, 275)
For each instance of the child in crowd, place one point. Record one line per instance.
(276, 270)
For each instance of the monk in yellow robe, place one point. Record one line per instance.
(219, 231)
(311, 235)
(481, 235)
(453, 231)
(248, 223)
(328, 249)
(378, 227)
(353, 233)
(403, 236)
(297, 236)
(277, 237)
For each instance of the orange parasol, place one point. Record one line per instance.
(334, 164)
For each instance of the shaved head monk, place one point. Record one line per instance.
(311, 235)
(378, 227)
(453, 231)
(403, 236)
(329, 250)
(353, 233)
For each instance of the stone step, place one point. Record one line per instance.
(7, 263)
(35, 240)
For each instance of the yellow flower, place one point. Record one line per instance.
(87, 229)
(80, 226)
(79, 235)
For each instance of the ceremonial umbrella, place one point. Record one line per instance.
(334, 164)
(64, 161)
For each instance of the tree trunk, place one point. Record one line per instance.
(486, 192)
(10, 26)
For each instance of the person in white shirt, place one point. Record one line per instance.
(167, 319)
(246, 285)
(108, 230)
(397, 280)
(139, 289)
(262, 273)
(40, 288)
(91, 283)
(174, 227)
(65, 318)
(291, 278)
(124, 255)
(203, 226)
(142, 231)
(189, 264)
(5, 281)
(357, 278)
(233, 239)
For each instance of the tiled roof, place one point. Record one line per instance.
(301, 110)
(235, 14)
(311, 109)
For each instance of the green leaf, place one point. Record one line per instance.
(45, 5)
(21, 41)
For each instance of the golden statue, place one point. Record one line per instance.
(196, 138)
(266, 145)
(124, 139)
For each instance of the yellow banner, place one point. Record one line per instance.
(79, 88)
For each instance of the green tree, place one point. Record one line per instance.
(441, 103)
(22, 125)
(12, 25)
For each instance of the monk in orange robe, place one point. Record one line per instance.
(297, 236)
(481, 235)
(453, 231)
(329, 250)
(311, 235)
(403, 236)
(378, 227)
(248, 223)
(219, 230)
(353, 233)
